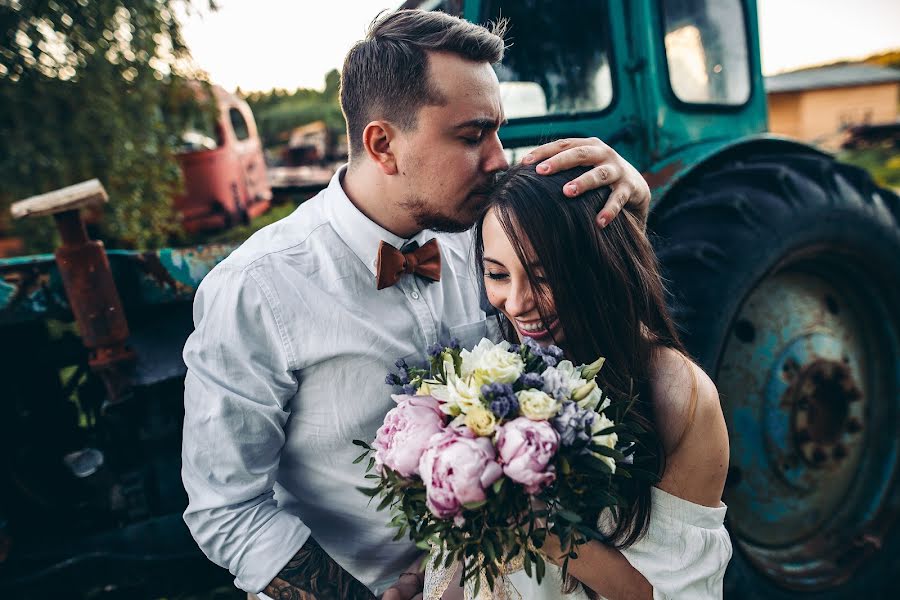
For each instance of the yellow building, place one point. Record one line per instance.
(818, 105)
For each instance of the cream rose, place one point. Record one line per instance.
(481, 421)
(537, 405)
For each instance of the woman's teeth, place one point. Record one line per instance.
(533, 327)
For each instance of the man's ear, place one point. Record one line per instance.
(377, 138)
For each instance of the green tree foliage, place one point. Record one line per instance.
(278, 111)
(94, 88)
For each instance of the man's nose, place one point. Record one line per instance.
(495, 158)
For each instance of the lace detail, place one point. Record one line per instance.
(438, 579)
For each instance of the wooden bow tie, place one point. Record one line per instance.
(392, 264)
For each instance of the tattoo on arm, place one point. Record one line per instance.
(313, 575)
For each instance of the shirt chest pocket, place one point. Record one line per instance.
(469, 334)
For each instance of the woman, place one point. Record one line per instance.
(555, 278)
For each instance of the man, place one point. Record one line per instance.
(297, 328)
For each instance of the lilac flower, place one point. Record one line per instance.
(435, 350)
(409, 389)
(454, 344)
(554, 351)
(574, 425)
(551, 355)
(501, 398)
(531, 380)
(392, 379)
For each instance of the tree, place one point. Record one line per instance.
(95, 88)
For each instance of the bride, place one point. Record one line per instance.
(556, 279)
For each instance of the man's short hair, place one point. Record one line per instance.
(385, 75)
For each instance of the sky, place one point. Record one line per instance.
(262, 44)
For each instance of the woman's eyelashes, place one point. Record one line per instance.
(496, 275)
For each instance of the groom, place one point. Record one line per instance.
(297, 328)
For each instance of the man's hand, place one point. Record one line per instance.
(626, 183)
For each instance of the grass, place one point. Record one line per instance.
(883, 163)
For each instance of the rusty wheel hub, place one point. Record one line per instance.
(827, 412)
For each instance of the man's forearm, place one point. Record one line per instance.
(313, 575)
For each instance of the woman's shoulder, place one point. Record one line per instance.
(691, 427)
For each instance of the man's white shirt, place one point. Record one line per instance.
(286, 367)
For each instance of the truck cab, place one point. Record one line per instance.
(224, 169)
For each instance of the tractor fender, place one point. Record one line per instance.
(664, 175)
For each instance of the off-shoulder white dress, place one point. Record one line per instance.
(683, 554)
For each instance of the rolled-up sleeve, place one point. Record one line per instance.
(239, 381)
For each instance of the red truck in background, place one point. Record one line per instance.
(225, 179)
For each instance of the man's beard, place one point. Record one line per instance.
(427, 218)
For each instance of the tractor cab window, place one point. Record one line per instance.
(706, 51)
(558, 58)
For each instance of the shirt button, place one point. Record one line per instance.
(415, 295)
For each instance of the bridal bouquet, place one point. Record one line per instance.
(488, 450)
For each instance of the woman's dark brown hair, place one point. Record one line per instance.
(604, 287)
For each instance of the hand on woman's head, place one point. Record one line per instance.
(607, 168)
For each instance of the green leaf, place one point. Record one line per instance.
(362, 444)
(371, 492)
(527, 564)
(568, 516)
(490, 551)
(498, 485)
(614, 454)
(474, 505)
(540, 569)
(384, 502)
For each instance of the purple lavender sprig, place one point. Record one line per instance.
(501, 399)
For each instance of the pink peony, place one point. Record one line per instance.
(526, 448)
(403, 437)
(457, 467)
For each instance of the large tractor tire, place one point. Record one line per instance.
(785, 279)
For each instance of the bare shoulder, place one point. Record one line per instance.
(692, 428)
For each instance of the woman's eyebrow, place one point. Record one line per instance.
(492, 260)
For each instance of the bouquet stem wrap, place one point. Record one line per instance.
(438, 579)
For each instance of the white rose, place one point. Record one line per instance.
(537, 405)
(609, 440)
(492, 363)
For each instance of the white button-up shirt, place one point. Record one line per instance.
(286, 366)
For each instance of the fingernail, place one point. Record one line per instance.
(602, 221)
(571, 188)
(528, 158)
(543, 168)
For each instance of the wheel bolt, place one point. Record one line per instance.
(819, 456)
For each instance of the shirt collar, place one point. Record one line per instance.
(361, 234)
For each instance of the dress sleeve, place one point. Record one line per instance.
(239, 382)
(685, 550)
